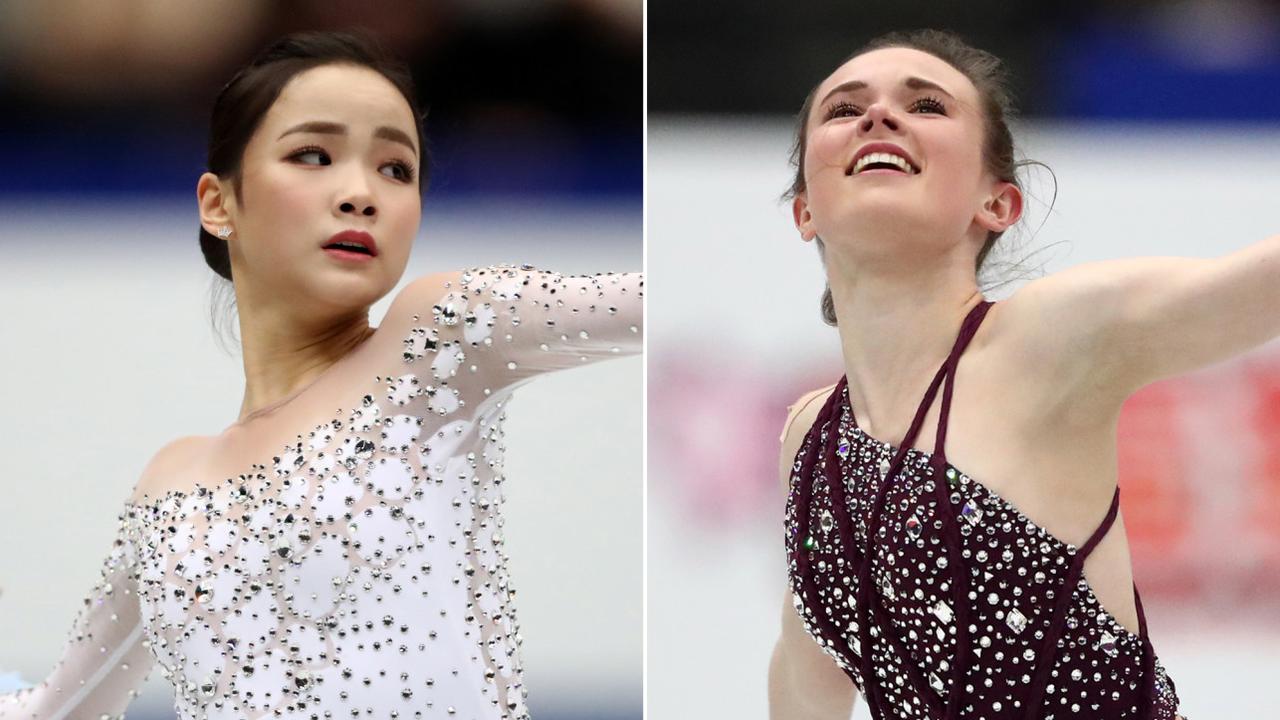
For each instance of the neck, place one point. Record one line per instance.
(284, 354)
(898, 322)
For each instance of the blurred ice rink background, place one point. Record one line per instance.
(1160, 123)
(535, 125)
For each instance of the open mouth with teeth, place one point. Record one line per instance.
(349, 246)
(882, 161)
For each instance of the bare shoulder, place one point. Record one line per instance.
(1050, 314)
(800, 417)
(1050, 340)
(170, 460)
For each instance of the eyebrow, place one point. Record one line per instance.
(912, 82)
(385, 132)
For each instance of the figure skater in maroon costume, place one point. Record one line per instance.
(1000, 586)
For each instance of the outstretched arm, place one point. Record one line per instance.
(507, 324)
(104, 660)
(1114, 326)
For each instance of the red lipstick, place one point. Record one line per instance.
(352, 244)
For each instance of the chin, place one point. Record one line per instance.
(343, 292)
(874, 215)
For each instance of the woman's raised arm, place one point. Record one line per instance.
(508, 324)
(1113, 326)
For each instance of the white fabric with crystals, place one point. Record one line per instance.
(105, 658)
(348, 562)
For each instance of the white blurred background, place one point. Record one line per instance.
(736, 336)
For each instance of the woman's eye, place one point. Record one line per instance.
(406, 170)
(847, 109)
(406, 173)
(932, 103)
(841, 109)
(306, 151)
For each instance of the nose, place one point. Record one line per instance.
(350, 207)
(359, 195)
(877, 113)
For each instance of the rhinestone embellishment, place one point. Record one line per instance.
(1016, 621)
(1006, 563)
(359, 570)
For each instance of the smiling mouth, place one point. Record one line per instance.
(882, 161)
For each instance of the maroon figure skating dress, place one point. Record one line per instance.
(938, 598)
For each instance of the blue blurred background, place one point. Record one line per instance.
(1163, 60)
(1161, 124)
(534, 121)
(112, 98)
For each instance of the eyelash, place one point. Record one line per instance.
(928, 100)
(407, 168)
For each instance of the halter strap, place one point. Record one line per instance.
(967, 330)
(951, 536)
(867, 604)
(819, 448)
(1058, 618)
(1147, 709)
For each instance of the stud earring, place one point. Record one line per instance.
(224, 232)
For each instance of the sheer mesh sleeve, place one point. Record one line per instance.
(105, 659)
(507, 324)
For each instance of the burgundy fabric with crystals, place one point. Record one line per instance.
(355, 565)
(966, 608)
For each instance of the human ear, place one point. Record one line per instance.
(213, 203)
(803, 218)
(1001, 209)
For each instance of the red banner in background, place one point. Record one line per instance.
(1200, 482)
(1261, 517)
(1154, 457)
